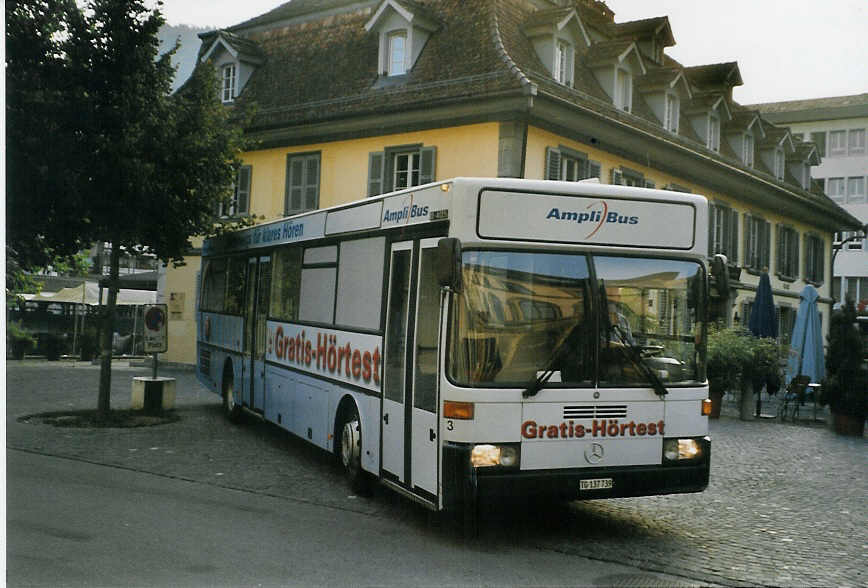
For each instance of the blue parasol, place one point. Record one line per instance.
(806, 348)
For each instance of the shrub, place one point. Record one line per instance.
(89, 344)
(19, 340)
(845, 389)
(52, 346)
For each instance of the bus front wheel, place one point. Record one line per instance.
(350, 450)
(231, 408)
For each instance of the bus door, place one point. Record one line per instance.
(410, 433)
(255, 315)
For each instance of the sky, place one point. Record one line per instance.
(785, 49)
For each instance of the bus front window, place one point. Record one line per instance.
(514, 311)
(654, 306)
(521, 314)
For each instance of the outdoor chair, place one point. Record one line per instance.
(795, 396)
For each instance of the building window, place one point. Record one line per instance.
(623, 90)
(836, 189)
(837, 143)
(757, 243)
(779, 164)
(856, 142)
(723, 232)
(397, 56)
(787, 258)
(563, 59)
(624, 176)
(240, 202)
(856, 190)
(400, 167)
(747, 150)
(819, 139)
(227, 93)
(405, 170)
(814, 259)
(673, 109)
(563, 163)
(713, 137)
(302, 183)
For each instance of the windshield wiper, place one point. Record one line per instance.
(635, 356)
(535, 385)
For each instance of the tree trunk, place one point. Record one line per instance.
(105, 371)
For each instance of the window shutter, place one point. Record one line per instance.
(617, 177)
(376, 164)
(294, 185)
(311, 195)
(553, 163)
(821, 264)
(428, 159)
(748, 253)
(767, 244)
(779, 250)
(243, 190)
(594, 169)
(732, 250)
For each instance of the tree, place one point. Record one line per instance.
(137, 166)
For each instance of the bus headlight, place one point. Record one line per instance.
(486, 455)
(681, 449)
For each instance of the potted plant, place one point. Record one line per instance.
(845, 388)
(761, 369)
(20, 341)
(738, 361)
(727, 353)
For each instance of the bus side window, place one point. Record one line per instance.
(285, 283)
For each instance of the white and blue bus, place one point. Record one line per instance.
(475, 337)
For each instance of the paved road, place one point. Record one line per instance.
(786, 505)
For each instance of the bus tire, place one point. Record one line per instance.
(231, 408)
(349, 449)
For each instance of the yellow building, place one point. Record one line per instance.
(355, 98)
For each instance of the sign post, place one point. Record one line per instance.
(156, 336)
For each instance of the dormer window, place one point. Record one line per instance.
(713, 136)
(403, 29)
(779, 164)
(563, 62)
(623, 90)
(397, 53)
(673, 112)
(747, 152)
(227, 92)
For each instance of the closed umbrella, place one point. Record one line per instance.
(806, 348)
(763, 323)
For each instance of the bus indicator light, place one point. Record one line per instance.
(458, 410)
(706, 407)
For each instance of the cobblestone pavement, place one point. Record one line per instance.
(786, 505)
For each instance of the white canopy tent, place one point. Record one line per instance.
(88, 293)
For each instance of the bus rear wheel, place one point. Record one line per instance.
(350, 451)
(231, 408)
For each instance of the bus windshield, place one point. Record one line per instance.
(520, 314)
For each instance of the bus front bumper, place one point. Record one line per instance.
(473, 484)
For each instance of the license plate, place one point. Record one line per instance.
(595, 484)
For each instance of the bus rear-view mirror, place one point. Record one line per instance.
(449, 263)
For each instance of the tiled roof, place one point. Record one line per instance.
(795, 105)
(300, 8)
(645, 27)
(714, 75)
(657, 77)
(242, 45)
(548, 16)
(457, 63)
(605, 51)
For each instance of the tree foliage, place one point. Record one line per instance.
(98, 147)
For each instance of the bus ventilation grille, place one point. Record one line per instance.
(604, 411)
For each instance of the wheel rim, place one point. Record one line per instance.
(230, 398)
(350, 444)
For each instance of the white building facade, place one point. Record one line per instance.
(839, 128)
